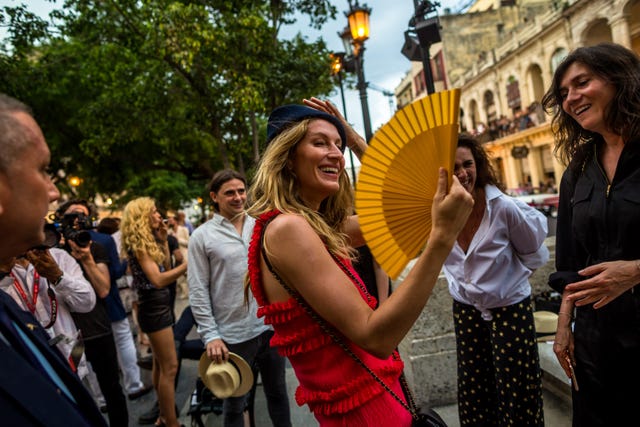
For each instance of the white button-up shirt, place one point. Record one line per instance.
(507, 247)
(216, 272)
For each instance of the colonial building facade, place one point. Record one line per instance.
(511, 52)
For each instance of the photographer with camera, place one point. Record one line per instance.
(74, 217)
(125, 344)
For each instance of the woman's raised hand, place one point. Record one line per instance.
(450, 210)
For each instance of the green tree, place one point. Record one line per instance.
(151, 97)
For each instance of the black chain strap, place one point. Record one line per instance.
(330, 330)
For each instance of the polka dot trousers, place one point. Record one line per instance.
(499, 380)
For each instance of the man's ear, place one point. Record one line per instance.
(213, 196)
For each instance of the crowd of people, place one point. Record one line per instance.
(289, 276)
(499, 127)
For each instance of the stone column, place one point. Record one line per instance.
(535, 166)
(513, 170)
(620, 31)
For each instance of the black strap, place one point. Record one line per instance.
(332, 332)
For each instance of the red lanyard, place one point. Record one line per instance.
(31, 305)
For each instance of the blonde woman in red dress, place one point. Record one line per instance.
(304, 235)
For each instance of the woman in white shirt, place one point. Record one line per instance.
(488, 269)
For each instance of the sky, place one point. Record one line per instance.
(384, 64)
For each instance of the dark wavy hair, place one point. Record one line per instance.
(64, 206)
(616, 65)
(485, 174)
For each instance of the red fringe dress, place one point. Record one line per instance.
(337, 389)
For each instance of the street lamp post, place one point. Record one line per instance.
(424, 30)
(337, 66)
(353, 38)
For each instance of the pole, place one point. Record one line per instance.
(362, 88)
(426, 66)
(425, 50)
(344, 113)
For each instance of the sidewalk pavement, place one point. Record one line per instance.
(557, 413)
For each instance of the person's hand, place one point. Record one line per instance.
(44, 264)
(563, 346)
(326, 106)
(217, 351)
(80, 253)
(161, 232)
(450, 209)
(609, 280)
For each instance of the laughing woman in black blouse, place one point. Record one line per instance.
(595, 96)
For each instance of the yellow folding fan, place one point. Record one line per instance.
(399, 175)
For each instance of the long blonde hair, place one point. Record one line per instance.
(276, 187)
(137, 235)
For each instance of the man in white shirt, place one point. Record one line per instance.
(218, 252)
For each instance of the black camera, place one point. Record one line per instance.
(74, 228)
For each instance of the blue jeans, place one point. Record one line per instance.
(265, 359)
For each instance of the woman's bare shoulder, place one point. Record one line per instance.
(291, 232)
(287, 223)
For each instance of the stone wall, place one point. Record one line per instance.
(429, 349)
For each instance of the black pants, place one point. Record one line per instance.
(499, 380)
(607, 351)
(101, 353)
(261, 356)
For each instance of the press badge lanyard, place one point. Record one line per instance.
(31, 305)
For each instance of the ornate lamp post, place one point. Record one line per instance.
(353, 38)
(337, 65)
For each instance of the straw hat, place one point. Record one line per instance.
(546, 323)
(232, 378)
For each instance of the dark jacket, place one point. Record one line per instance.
(598, 220)
(28, 397)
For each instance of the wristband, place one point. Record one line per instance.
(57, 281)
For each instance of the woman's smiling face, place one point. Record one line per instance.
(586, 97)
(317, 162)
(465, 168)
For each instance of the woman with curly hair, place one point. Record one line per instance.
(144, 240)
(595, 100)
(304, 238)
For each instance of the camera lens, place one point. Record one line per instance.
(82, 238)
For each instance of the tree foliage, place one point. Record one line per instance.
(150, 97)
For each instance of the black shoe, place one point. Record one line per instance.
(145, 362)
(151, 416)
(144, 390)
(103, 409)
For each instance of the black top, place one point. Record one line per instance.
(96, 323)
(598, 222)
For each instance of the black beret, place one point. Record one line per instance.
(287, 115)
